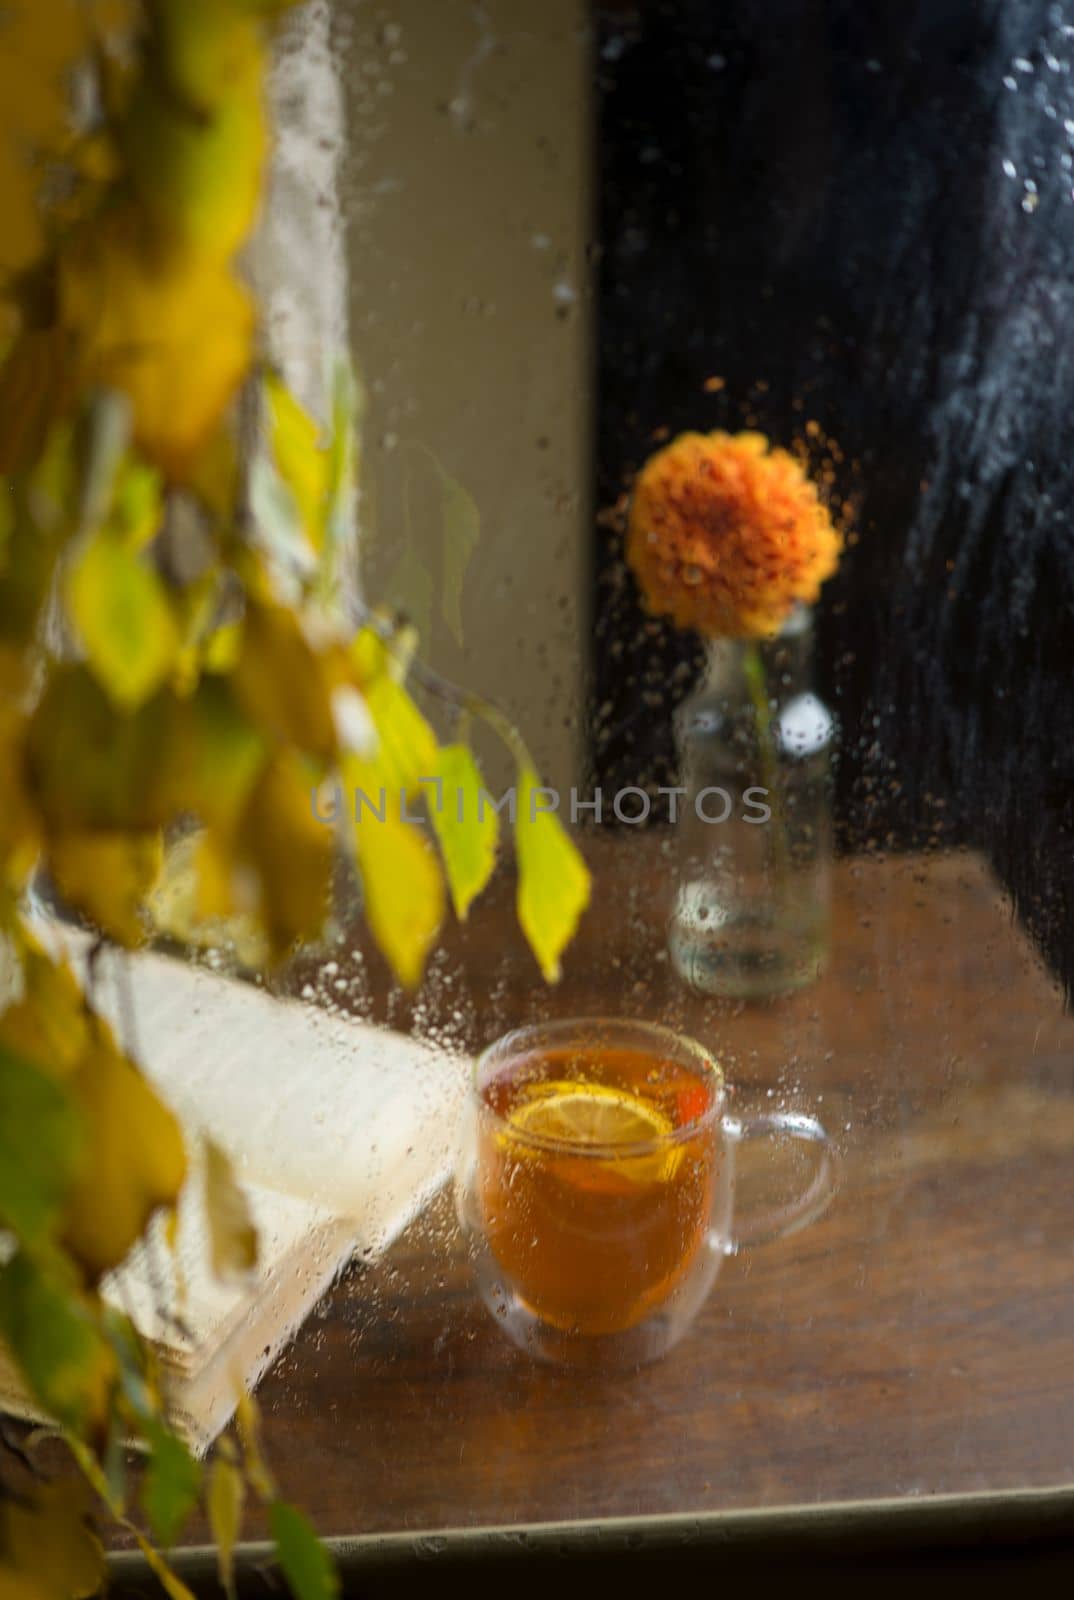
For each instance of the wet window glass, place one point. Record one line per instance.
(607, 941)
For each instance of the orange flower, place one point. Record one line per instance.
(726, 535)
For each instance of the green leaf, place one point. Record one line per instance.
(553, 880)
(171, 1484)
(348, 405)
(40, 1140)
(137, 1382)
(308, 1567)
(466, 828)
(462, 531)
(121, 611)
(59, 1349)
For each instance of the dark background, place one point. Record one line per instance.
(809, 200)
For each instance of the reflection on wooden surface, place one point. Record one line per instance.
(916, 1340)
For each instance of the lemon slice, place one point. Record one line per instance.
(600, 1118)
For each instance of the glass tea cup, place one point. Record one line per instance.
(596, 1186)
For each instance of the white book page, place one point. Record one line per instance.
(352, 1118)
(172, 1295)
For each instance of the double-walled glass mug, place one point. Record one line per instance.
(596, 1186)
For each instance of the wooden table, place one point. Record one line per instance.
(918, 1340)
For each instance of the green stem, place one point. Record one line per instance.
(464, 700)
(757, 683)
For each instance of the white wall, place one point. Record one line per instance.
(467, 204)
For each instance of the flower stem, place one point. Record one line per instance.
(753, 666)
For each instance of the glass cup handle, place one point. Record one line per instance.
(778, 1221)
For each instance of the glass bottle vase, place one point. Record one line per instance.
(751, 907)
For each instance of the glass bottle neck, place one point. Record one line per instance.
(787, 660)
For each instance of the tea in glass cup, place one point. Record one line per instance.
(596, 1185)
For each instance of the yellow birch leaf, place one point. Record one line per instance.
(249, 1420)
(136, 510)
(7, 521)
(232, 1235)
(214, 476)
(553, 880)
(90, 767)
(194, 135)
(121, 611)
(374, 656)
(26, 580)
(107, 877)
(302, 461)
(133, 1160)
(223, 648)
(36, 387)
(406, 746)
(47, 1024)
(404, 890)
(19, 819)
(172, 331)
(281, 682)
(291, 852)
(212, 759)
(47, 1543)
(170, 1581)
(196, 607)
(225, 1505)
(466, 828)
(40, 46)
(198, 899)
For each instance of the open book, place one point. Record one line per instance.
(339, 1131)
